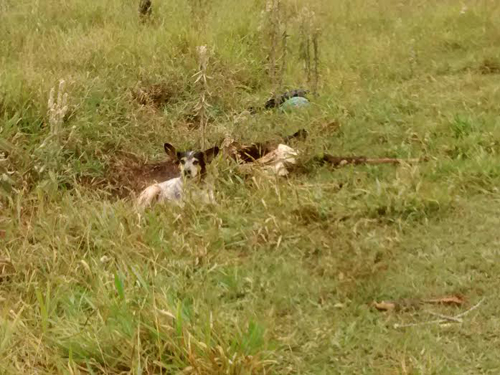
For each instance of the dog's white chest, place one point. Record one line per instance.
(171, 190)
(174, 191)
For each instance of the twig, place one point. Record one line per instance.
(273, 9)
(284, 38)
(471, 309)
(305, 43)
(443, 319)
(315, 38)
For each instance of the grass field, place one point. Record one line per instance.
(279, 276)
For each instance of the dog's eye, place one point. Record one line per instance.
(183, 161)
(196, 162)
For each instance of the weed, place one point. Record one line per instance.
(202, 106)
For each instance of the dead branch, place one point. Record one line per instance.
(444, 318)
(471, 309)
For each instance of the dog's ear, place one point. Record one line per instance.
(170, 150)
(210, 154)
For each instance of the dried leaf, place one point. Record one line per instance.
(448, 300)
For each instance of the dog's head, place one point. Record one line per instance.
(192, 163)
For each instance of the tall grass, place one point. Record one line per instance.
(278, 276)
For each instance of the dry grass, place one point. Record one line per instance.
(279, 276)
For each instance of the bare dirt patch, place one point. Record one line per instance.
(127, 174)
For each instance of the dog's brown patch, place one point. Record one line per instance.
(251, 152)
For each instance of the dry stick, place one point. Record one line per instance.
(308, 59)
(316, 62)
(203, 119)
(306, 52)
(275, 11)
(444, 319)
(471, 309)
(284, 38)
(201, 76)
(305, 45)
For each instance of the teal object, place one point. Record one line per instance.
(293, 103)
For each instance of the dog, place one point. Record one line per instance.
(192, 165)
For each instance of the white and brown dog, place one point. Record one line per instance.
(192, 165)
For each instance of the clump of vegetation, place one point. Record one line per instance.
(280, 275)
(145, 9)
